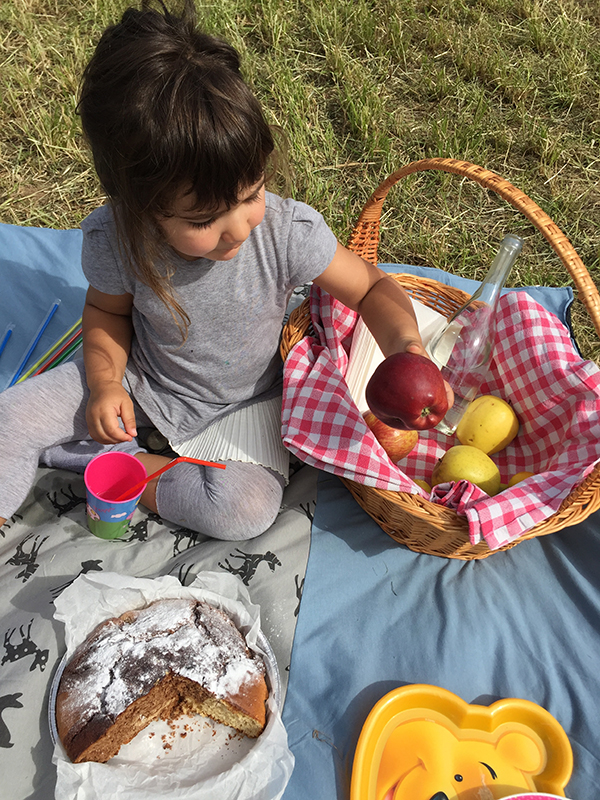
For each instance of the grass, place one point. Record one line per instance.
(360, 89)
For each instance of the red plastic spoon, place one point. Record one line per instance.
(134, 489)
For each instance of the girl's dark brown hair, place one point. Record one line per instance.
(164, 108)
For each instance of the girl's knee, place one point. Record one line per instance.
(250, 514)
(234, 504)
(243, 501)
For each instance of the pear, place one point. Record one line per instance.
(489, 423)
(463, 462)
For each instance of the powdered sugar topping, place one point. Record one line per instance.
(122, 659)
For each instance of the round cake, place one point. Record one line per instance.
(174, 657)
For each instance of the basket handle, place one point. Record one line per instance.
(364, 239)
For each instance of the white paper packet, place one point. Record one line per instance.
(191, 758)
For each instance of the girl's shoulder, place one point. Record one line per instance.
(294, 222)
(101, 259)
(100, 219)
(300, 235)
(289, 210)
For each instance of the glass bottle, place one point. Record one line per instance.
(463, 348)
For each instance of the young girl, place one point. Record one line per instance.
(191, 264)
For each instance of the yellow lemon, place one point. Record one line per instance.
(489, 423)
(463, 462)
(520, 476)
(423, 484)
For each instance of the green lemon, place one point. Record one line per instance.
(463, 462)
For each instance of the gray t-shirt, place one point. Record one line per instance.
(236, 308)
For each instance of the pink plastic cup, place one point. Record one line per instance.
(106, 477)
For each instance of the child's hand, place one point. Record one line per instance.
(418, 349)
(108, 402)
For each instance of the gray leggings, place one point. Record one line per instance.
(43, 421)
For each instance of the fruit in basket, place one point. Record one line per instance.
(465, 463)
(407, 391)
(396, 443)
(520, 476)
(423, 484)
(489, 423)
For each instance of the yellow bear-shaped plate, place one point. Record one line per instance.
(422, 742)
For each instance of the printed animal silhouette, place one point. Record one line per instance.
(181, 535)
(86, 566)
(139, 531)
(299, 589)
(9, 523)
(8, 701)
(27, 558)
(307, 509)
(26, 647)
(249, 564)
(73, 500)
(183, 574)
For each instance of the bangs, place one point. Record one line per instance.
(212, 156)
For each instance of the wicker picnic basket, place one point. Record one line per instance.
(409, 519)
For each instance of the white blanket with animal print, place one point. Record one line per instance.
(47, 545)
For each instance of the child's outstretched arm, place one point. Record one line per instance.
(107, 330)
(379, 299)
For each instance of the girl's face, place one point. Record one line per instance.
(217, 236)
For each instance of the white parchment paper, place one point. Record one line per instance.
(191, 758)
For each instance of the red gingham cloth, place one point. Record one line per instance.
(555, 393)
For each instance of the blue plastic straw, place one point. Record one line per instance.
(34, 341)
(6, 336)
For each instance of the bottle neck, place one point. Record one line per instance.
(494, 281)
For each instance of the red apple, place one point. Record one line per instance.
(396, 443)
(407, 391)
